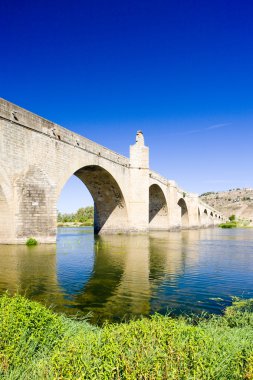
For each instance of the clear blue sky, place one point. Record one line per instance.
(182, 71)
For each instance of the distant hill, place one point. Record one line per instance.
(235, 201)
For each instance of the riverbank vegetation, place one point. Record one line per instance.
(36, 343)
(83, 217)
(31, 242)
(235, 223)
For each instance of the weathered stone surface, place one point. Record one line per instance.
(37, 157)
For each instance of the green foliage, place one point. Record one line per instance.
(246, 198)
(240, 223)
(232, 218)
(35, 344)
(228, 225)
(208, 193)
(88, 222)
(83, 215)
(31, 242)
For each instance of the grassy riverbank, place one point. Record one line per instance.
(35, 343)
(236, 224)
(75, 224)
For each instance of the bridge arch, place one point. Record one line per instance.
(211, 218)
(110, 211)
(184, 213)
(205, 218)
(158, 208)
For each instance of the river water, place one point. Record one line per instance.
(124, 276)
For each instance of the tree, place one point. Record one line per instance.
(232, 218)
(83, 215)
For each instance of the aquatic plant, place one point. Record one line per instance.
(31, 241)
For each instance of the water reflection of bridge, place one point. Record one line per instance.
(126, 272)
(29, 271)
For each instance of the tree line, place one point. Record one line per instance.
(83, 215)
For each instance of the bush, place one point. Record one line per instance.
(208, 193)
(228, 225)
(87, 223)
(31, 241)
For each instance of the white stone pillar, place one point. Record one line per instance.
(139, 185)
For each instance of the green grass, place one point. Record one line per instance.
(36, 343)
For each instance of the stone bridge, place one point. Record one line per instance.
(37, 158)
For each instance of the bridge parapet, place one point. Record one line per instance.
(208, 207)
(159, 178)
(26, 119)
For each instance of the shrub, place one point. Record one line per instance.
(228, 225)
(208, 193)
(87, 223)
(31, 241)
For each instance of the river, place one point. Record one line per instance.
(125, 276)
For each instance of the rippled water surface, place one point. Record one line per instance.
(121, 276)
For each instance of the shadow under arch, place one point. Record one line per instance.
(158, 208)
(205, 217)
(184, 213)
(211, 219)
(199, 218)
(110, 212)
